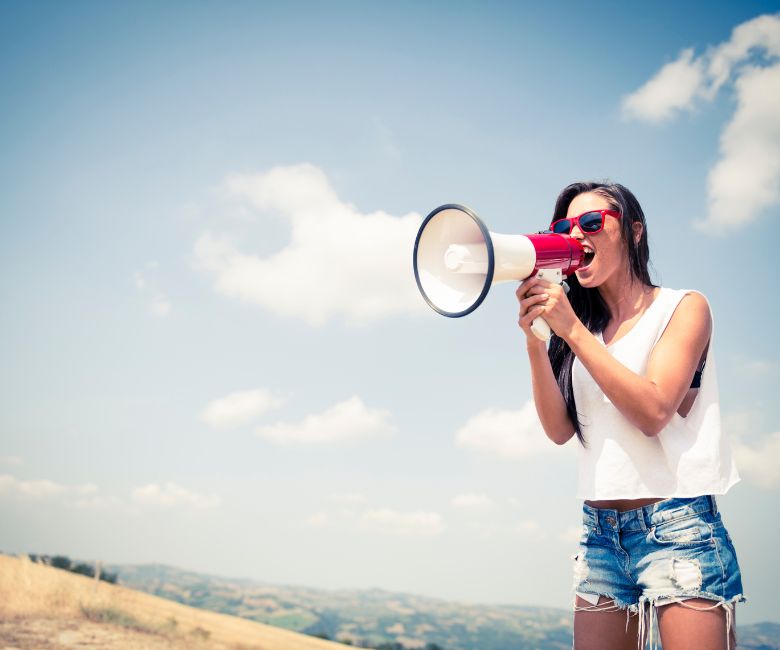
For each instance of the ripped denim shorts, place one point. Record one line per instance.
(669, 551)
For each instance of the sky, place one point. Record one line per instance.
(214, 352)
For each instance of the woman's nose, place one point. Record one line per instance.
(576, 232)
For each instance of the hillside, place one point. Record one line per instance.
(46, 608)
(371, 617)
(362, 617)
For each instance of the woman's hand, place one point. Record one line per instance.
(539, 297)
(532, 297)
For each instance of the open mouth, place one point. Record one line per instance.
(589, 255)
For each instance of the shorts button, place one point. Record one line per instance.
(611, 521)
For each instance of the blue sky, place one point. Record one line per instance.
(214, 353)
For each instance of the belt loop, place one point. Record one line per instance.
(596, 513)
(714, 504)
(647, 513)
(641, 517)
(591, 518)
(647, 516)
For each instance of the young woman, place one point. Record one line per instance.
(630, 372)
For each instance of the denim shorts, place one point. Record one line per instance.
(669, 551)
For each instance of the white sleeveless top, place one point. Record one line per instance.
(689, 457)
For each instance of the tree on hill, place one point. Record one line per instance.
(82, 568)
(60, 562)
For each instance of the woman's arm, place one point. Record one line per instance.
(647, 402)
(549, 402)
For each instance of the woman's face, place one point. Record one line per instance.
(610, 255)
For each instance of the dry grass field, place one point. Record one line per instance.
(48, 608)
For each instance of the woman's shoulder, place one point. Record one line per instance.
(691, 298)
(687, 308)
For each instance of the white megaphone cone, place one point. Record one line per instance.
(457, 259)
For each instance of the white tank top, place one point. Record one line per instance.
(689, 457)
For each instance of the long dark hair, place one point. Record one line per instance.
(588, 303)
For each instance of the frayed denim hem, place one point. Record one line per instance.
(647, 607)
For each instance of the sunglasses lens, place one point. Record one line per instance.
(562, 227)
(591, 222)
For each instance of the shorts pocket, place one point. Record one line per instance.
(586, 533)
(690, 531)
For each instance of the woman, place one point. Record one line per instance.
(630, 372)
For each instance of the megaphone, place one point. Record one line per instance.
(457, 259)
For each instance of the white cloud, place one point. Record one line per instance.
(339, 262)
(346, 421)
(239, 408)
(673, 88)
(78, 496)
(758, 462)
(40, 489)
(11, 460)
(761, 33)
(392, 522)
(172, 495)
(512, 434)
(472, 502)
(86, 497)
(746, 179)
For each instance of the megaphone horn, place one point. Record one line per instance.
(457, 259)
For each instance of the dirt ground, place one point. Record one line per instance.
(60, 634)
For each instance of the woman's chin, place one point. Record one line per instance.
(585, 276)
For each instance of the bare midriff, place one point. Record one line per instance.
(621, 505)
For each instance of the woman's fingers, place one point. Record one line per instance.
(530, 309)
(525, 286)
(529, 288)
(535, 299)
(535, 296)
(527, 319)
(532, 286)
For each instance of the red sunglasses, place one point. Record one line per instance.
(590, 222)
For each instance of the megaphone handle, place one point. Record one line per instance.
(539, 327)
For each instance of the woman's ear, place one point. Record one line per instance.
(638, 229)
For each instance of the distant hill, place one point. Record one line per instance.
(372, 617)
(44, 607)
(366, 618)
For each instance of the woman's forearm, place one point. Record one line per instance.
(550, 405)
(636, 397)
